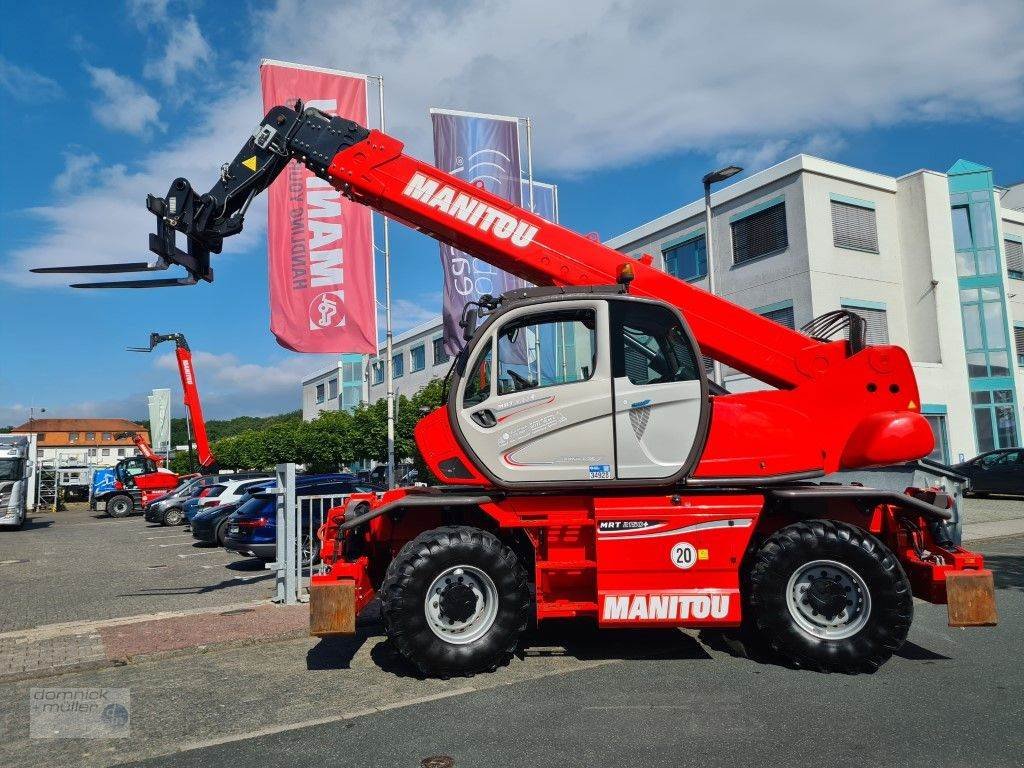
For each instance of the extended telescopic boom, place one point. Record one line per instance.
(370, 167)
(190, 391)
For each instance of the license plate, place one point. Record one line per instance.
(232, 529)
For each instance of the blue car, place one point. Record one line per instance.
(210, 524)
(252, 528)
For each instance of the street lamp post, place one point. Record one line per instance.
(713, 178)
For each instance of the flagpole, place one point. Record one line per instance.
(388, 371)
(529, 158)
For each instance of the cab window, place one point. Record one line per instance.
(478, 384)
(547, 350)
(650, 345)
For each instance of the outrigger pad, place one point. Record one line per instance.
(332, 609)
(971, 599)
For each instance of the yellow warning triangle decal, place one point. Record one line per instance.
(250, 163)
(912, 406)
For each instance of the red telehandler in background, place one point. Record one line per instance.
(616, 483)
(139, 480)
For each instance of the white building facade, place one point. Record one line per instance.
(418, 357)
(932, 261)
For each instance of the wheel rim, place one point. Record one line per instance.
(828, 599)
(308, 550)
(461, 604)
(120, 506)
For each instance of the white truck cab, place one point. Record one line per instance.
(15, 474)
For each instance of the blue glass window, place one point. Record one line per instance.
(418, 358)
(962, 239)
(985, 332)
(688, 260)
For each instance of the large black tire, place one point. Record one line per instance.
(412, 573)
(173, 516)
(120, 505)
(788, 624)
(221, 533)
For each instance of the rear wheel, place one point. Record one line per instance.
(222, 532)
(120, 505)
(829, 596)
(174, 516)
(455, 601)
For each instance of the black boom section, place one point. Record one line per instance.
(308, 135)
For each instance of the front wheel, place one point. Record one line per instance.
(174, 516)
(829, 596)
(120, 505)
(455, 601)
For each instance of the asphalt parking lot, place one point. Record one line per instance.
(80, 564)
(575, 697)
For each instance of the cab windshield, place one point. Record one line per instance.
(11, 469)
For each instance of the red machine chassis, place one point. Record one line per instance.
(613, 557)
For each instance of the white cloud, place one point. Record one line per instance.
(611, 82)
(79, 168)
(125, 106)
(758, 155)
(147, 12)
(607, 82)
(27, 85)
(408, 313)
(185, 50)
(110, 223)
(231, 387)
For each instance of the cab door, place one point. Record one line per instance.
(660, 391)
(535, 402)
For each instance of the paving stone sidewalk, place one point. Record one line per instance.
(59, 648)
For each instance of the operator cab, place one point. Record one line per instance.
(590, 386)
(127, 469)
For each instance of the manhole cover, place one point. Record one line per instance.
(437, 761)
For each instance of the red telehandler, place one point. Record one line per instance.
(141, 479)
(616, 483)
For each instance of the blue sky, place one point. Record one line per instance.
(631, 102)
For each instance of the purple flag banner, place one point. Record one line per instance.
(483, 150)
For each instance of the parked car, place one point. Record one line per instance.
(157, 510)
(210, 524)
(252, 529)
(226, 491)
(999, 471)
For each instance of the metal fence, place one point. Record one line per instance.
(298, 548)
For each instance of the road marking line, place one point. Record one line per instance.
(175, 544)
(198, 554)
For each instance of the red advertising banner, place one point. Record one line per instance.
(319, 244)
